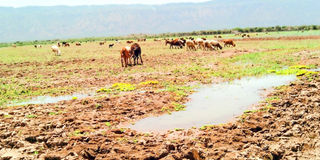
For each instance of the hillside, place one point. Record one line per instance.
(39, 23)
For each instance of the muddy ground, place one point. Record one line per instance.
(288, 129)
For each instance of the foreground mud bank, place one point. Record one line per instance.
(287, 126)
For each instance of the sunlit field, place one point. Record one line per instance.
(93, 127)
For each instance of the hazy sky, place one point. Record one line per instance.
(21, 3)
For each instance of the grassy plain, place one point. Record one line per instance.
(27, 71)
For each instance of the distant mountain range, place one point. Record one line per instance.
(41, 23)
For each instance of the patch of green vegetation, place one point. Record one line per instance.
(149, 83)
(104, 90)
(178, 107)
(135, 141)
(108, 124)
(74, 98)
(180, 90)
(31, 116)
(123, 87)
(7, 116)
(206, 127)
(178, 129)
(166, 109)
(53, 113)
(36, 152)
(300, 67)
(78, 133)
(272, 98)
(147, 134)
(98, 106)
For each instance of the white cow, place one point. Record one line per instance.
(56, 50)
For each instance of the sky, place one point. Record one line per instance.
(22, 3)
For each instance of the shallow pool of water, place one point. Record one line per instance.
(215, 104)
(49, 99)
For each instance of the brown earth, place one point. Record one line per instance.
(290, 129)
(88, 128)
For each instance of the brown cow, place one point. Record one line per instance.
(228, 43)
(78, 44)
(175, 43)
(200, 43)
(191, 45)
(125, 55)
(101, 43)
(208, 46)
(129, 42)
(65, 44)
(215, 44)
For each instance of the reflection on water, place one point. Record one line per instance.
(215, 104)
(49, 99)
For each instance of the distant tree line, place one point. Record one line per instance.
(177, 34)
(243, 30)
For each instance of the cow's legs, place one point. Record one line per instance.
(121, 61)
(141, 59)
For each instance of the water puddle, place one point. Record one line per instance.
(49, 99)
(215, 104)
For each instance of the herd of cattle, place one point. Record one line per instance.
(134, 51)
(199, 43)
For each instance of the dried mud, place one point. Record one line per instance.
(289, 129)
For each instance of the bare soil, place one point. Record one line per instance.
(290, 129)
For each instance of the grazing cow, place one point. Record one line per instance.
(215, 44)
(200, 43)
(37, 46)
(125, 55)
(175, 43)
(56, 50)
(65, 44)
(208, 46)
(167, 41)
(78, 44)
(101, 43)
(129, 42)
(14, 45)
(59, 44)
(183, 41)
(228, 43)
(219, 36)
(190, 45)
(244, 35)
(111, 45)
(157, 40)
(136, 53)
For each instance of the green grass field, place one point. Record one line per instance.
(27, 71)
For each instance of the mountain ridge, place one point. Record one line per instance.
(52, 22)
